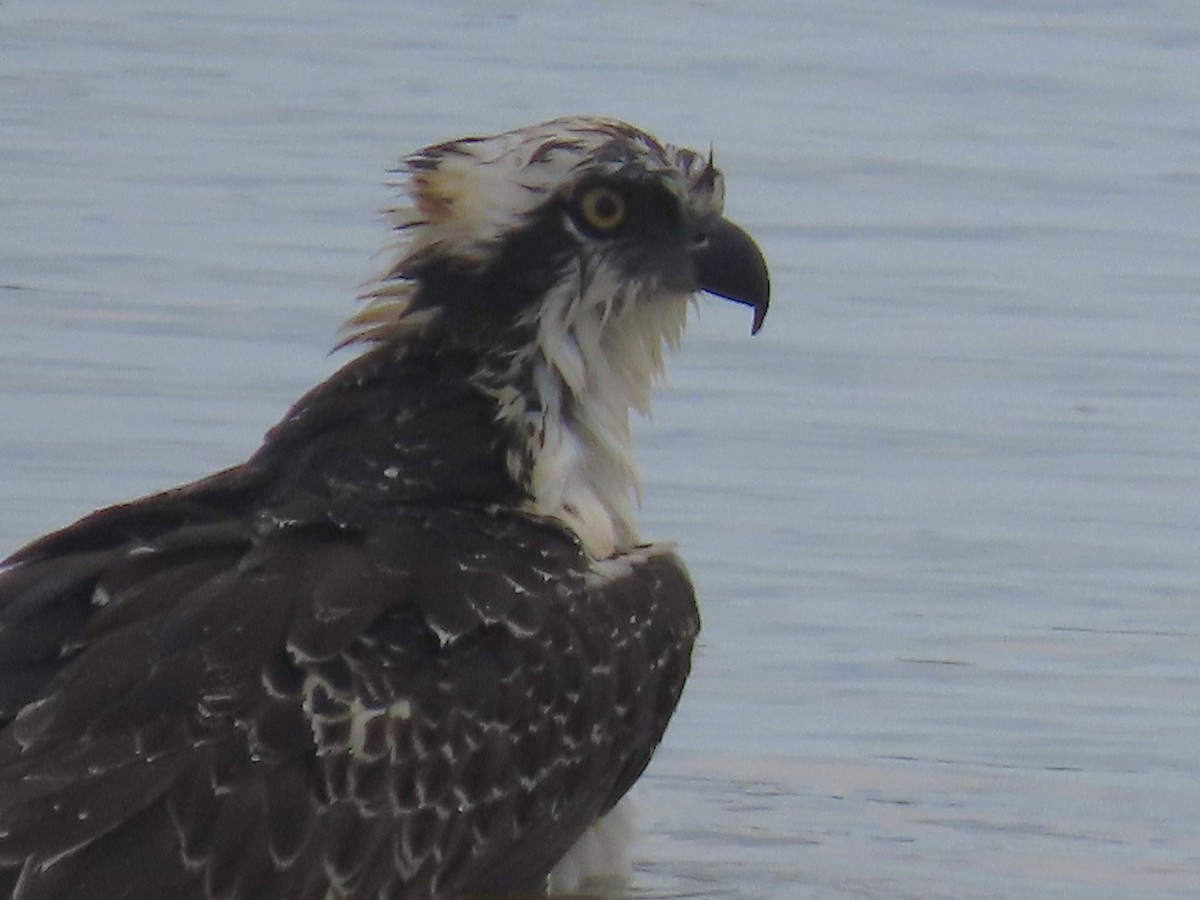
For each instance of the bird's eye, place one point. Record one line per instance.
(602, 208)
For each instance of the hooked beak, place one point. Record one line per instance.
(729, 264)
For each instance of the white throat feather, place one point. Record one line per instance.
(599, 352)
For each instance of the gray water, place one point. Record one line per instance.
(942, 512)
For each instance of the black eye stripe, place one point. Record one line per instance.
(614, 207)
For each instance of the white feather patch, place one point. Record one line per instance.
(600, 348)
(601, 861)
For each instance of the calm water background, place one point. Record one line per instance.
(942, 512)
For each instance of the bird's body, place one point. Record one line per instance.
(413, 646)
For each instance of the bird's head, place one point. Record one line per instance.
(593, 210)
(563, 254)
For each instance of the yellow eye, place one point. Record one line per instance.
(602, 208)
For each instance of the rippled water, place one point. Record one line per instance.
(943, 512)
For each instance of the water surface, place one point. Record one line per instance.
(942, 512)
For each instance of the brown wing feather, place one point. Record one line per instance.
(442, 701)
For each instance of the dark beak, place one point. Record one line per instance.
(729, 264)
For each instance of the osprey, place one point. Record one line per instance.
(414, 646)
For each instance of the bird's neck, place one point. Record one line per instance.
(582, 472)
(554, 439)
(593, 362)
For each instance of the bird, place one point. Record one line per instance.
(414, 645)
